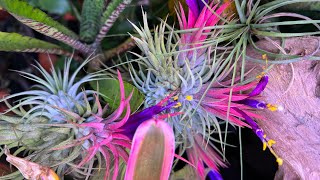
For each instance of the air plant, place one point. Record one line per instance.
(58, 123)
(200, 76)
(65, 128)
(240, 105)
(260, 19)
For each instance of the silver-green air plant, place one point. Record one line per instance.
(60, 125)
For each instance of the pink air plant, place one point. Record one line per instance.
(216, 101)
(103, 134)
(239, 107)
(199, 16)
(114, 133)
(201, 155)
(219, 102)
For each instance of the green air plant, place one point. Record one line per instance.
(255, 19)
(97, 18)
(49, 123)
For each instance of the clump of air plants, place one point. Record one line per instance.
(62, 126)
(188, 65)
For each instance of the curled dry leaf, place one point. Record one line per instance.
(31, 170)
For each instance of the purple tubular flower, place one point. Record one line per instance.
(216, 101)
(253, 103)
(259, 132)
(260, 87)
(261, 105)
(136, 119)
(252, 123)
(193, 5)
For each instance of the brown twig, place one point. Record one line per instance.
(125, 46)
(95, 64)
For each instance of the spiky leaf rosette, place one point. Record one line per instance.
(170, 66)
(63, 127)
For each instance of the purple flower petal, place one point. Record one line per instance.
(136, 119)
(248, 119)
(201, 4)
(253, 103)
(214, 175)
(193, 6)
(260, 87)
(252, 123)
(196, 6)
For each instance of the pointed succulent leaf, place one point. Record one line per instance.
(110, 15)
(18, 43)
(110, 89)
(91, 19)
(152, 151)
(41, 22)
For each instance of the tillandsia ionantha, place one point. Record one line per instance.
(65, 128)
(200, 77)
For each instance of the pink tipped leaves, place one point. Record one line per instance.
(152, 151)
(200, 15)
